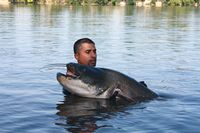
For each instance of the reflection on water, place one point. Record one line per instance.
(80, 115)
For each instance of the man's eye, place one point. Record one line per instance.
(88, 51)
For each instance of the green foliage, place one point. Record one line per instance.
(75, 2)
(181, 2)
(187, 2)
(114, 2)
(107, 2)
(130, 2)
(88, 2)
(102, 2)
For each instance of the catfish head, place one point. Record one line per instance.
(86, 81)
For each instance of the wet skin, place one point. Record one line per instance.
(86, 54)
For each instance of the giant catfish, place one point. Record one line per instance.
(93, 82)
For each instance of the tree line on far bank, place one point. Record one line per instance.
(109, 2)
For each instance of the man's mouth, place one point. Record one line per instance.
(93, 62)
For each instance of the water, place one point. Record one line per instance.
(157, 45)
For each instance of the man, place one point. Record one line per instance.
(85, 52)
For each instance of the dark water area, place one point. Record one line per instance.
(160, 46)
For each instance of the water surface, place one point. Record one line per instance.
(157, 45)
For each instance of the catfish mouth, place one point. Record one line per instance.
(71, 72)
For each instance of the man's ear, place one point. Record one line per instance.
(76, 56)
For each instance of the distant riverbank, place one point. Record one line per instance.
(140, 3)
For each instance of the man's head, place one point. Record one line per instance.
(85, 52)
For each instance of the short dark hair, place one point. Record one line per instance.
(78, 43)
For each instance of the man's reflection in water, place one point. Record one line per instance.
(79, 115)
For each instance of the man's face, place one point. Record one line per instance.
(86, 54)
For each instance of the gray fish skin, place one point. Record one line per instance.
(92, 82)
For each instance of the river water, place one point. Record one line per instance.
(160, 46)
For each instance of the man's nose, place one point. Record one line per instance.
(93, 54)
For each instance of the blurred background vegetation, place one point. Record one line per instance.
(182, 2)
(108, 2)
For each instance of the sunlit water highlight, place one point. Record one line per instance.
(157, 45)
